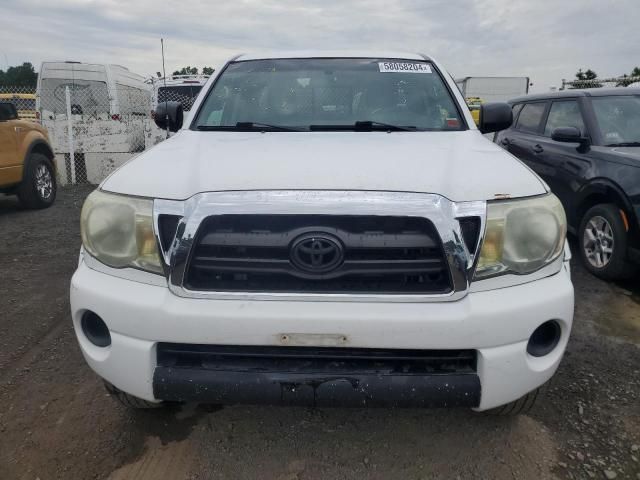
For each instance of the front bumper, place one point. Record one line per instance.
(496, 324)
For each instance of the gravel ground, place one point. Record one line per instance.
(56, 421)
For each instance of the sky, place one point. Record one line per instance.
(542, 39)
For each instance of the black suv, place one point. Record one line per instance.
(586, 145)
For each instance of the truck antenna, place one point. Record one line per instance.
(164, 78)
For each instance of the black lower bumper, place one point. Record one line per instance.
(323, 377)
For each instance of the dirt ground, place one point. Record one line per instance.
(56, 420)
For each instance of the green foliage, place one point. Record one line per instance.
(586, 79)
(20, 76)
(187, 71)
(629, 79)
(587, 75)
(194, 71)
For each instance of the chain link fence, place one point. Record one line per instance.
(92, 131)
(624, 81)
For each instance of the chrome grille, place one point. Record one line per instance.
(381, 254)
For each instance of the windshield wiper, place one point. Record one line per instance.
(249, 126)
(262, 126)
(369, 125)
(623, 144)
(365, 126)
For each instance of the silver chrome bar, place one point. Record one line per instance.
(442, 212)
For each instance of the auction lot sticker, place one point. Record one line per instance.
(404, 67)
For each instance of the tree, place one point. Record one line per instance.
(586, 79)
(629, 79)
(194, 71)
(187, 71)
(20, 76)
(588, 75)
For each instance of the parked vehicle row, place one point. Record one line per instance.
(297, 267)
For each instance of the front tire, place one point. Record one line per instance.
(129, 400)
(518, 407)
(39, 187)
(603, 241)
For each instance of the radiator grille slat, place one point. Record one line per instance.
(252, 253)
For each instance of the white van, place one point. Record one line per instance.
(109, 105)
(100, 90)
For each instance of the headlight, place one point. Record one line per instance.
(521, 236)
(118, 231)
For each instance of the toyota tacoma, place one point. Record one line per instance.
(325, 230)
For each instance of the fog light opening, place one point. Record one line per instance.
(544, 339)
(95, 329)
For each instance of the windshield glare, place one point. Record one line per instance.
(618, 118)
(300, 93)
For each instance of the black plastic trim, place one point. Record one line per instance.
(322, 377)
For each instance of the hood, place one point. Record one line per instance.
(461, 166)
(627, 152)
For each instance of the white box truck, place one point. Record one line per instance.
(493, 89)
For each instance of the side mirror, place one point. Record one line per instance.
(8, 111)
(495, 117)
(169, 115)
(568, 135)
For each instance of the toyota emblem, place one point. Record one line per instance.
(317, 252)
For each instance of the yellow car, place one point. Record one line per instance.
(26, 159)
(25, 104)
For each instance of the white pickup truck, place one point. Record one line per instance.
(325, 229)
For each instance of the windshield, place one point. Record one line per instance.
(185, 94)
(618, 119)
(88, 97)
(317, 94)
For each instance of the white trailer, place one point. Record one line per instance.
(178, 88)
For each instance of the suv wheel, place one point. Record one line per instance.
(603, 242)
(38, 189)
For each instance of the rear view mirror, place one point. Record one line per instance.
(8, 111)
(495, 117)
(568, 135)
(169, 115)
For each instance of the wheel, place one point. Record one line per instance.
(603, 242)
(129, 400)
(518, 407)
(38, 189)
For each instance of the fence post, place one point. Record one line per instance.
(72, 156)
